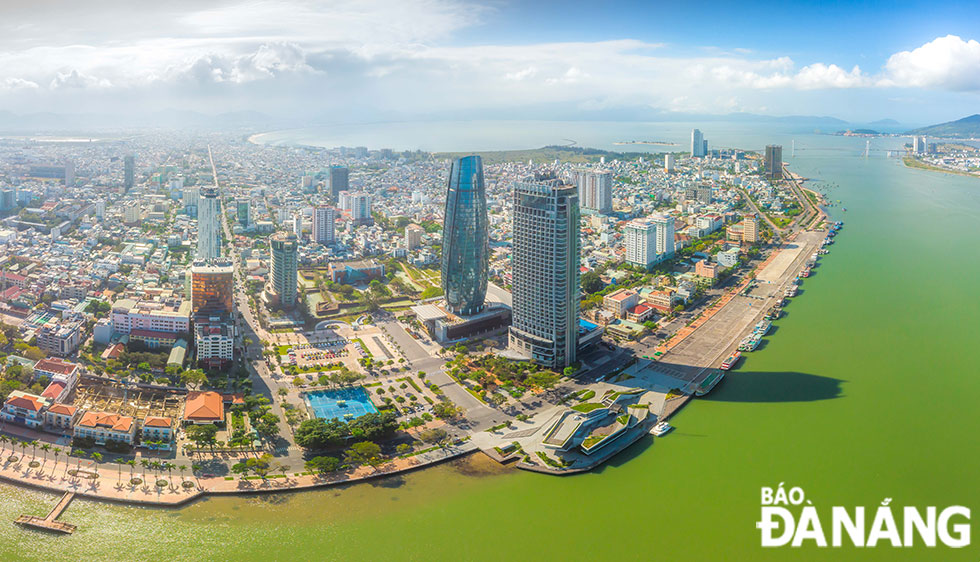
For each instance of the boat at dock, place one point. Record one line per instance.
(730, 362)
(762, 328)
(662, 428)
(750, 342)
(709, 383)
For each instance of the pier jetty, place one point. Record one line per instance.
(50, 522)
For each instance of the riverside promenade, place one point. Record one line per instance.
(114, 483)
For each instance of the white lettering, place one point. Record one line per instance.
(960, 530)
(768, 524)
(809, 528)
(884, 527)
(854, 527)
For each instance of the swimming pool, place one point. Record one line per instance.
(345, 404)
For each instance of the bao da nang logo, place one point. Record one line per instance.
(790, 519)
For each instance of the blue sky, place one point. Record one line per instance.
(391, 59)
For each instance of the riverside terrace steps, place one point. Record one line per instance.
(49, 523)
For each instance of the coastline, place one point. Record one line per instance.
(114, 486)
(916, 164)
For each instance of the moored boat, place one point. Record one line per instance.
(730, 362)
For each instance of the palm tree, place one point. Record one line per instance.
(195, 469)
(57, 452)
(34, 452)
(46, 447)
(3, 442)
(181, 468)
(23, 448)
(97, 458)
(132, 465)
(145, 463)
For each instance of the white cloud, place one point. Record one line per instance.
(946, 62)
(75, 79)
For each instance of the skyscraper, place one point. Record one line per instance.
(282, 277)
(360, 207)
(669, 163)
(641, 243)
(697, 143)
(129, 171)
(594, 189)
(339, 181)
(212, 289)
(465, 238)
(665, 236)
(545, 271)
(208, 233)
(324, 218)
(774, 162)
(192, 198)
(69, 174)
(413, 236)
(244, 212)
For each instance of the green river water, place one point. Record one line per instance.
(868, 388)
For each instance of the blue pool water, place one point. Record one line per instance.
(324, 403)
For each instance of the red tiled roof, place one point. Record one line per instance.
(25, 402)
(63, 409)
(55, 365)
(112, 421)
(157, 421)
(639, 309)
(53, 390)
(201, 406)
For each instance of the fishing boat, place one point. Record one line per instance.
(727, 364)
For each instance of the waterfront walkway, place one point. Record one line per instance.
(114, 483)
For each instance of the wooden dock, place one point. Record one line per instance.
(49, 523)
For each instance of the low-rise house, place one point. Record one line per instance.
(59, 370)
(203, 407)
(102, 427)
(61, 417)
(618, 302)
(25, 409)
(157, 432)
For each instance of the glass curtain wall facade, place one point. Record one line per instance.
(466, 240)
(208, 215)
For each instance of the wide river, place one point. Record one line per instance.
(867, 389)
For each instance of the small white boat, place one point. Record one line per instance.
(661, 428)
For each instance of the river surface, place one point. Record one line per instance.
(866, 389)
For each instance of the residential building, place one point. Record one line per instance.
(171, 316)
(706, 270)
(360, 208)
(132, 213)
(208, 224)
(665, 236)
(750, 229)
(618, 302)
(774, 162)
(324, 218)
(25, 409)
(697, 143)
(281, 290)
(60, 338)
(413, 236)
(669, 163)
(103, 427)
(545, 271)
(215, 344)
(157, 432)
(594, 189)
(58, 370)
(61, 417)
(465, 236)
(641, 243)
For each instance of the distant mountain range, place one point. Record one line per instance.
(967, 127)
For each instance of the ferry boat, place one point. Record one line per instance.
(790, 291)
(750, 343)
(805, 273)
(731, 361)
(709, 383)
(661, 428)
(762, 328)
